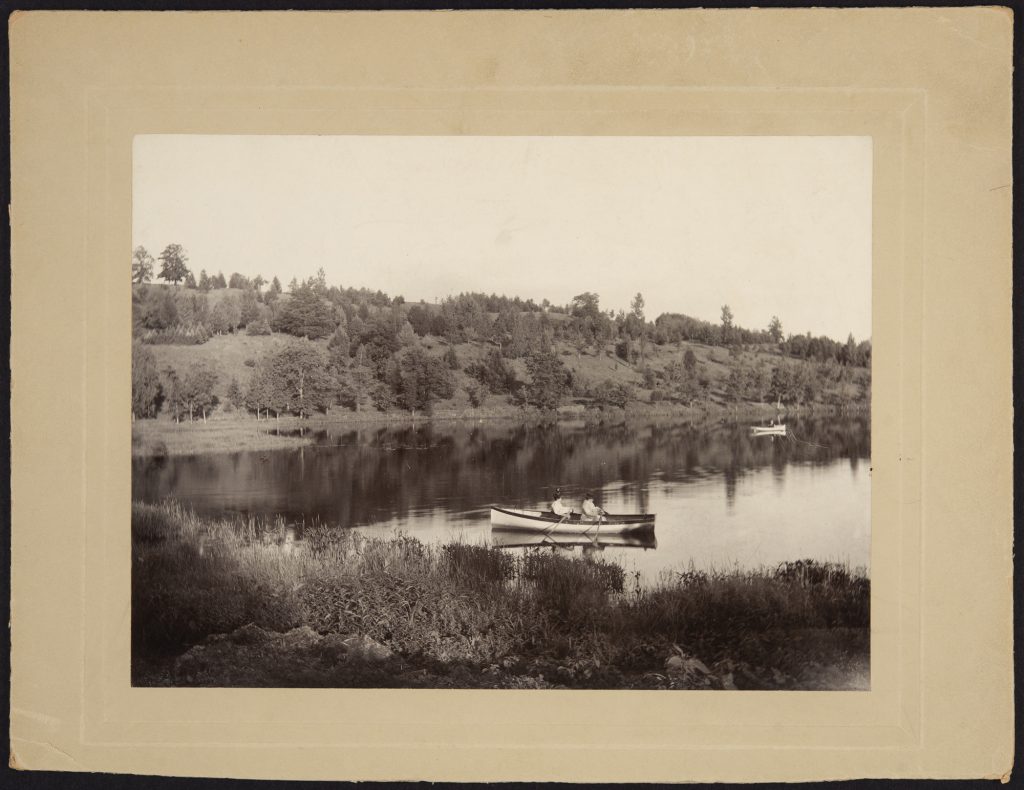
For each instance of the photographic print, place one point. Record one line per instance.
(501, 412)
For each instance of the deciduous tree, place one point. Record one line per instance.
(173, 263)
(146, 389)
(549, 380)
(295, 379)
(306, 315)
(197, 390)
(142, 265)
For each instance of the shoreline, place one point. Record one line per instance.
(238, 432)
(234, 602)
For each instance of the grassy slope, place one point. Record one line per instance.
(224, 353)
(228, 353)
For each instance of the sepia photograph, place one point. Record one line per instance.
(501, 412)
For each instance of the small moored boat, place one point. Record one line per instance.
(546, 521)
(768, 430)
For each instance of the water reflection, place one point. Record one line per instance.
(514, 539)
(721, 495)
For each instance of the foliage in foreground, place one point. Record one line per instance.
(476, 605)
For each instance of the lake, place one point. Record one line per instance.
(723, 498)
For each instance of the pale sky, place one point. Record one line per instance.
(770, 225)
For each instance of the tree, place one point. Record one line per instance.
(306, 315)
(238, 281)
(146, 389)
(235, 396)
(689, 360)
(218, 281)
(549, 380)
(171, 386)
(142, 265)
(320, 282)
(197, 390)
(339, 347)
(226, 315)
(258, 282)
(159, 309)
(406, 335)
(608, 393)
(419, 317)
(249, 307)
(190, 281)
(204, 281)
(292, 379)
(275, 286)
(419, 379)
(173, 262)
(735, 386)
(586, 305)
(727, 329)
(258, 327)
(636, 323)
(775, 329)
(848, 353)
(494, 373)
(355, 386)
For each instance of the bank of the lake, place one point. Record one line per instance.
(236, 602)
(239, 431)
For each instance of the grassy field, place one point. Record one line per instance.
(221, 602)
(226, 433)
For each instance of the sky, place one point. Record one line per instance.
(768, 225)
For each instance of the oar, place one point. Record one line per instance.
(600, 517)
(559, 522)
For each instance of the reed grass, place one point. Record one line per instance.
(479, 606)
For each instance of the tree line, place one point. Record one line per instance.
(374, 355)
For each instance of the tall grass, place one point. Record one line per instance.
(195, 576)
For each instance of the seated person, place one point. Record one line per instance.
(591, 511)
(558, 507)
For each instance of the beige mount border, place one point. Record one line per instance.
(931, 87)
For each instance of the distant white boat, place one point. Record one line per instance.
(768, 430)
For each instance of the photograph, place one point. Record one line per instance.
(501, 412)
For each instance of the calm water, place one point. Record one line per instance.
(722, 497)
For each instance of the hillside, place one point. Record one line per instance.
(374, 355)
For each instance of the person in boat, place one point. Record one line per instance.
(591, 511)
(558, 507)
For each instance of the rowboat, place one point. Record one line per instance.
(546, 521)
(517, 538)
(768, 430)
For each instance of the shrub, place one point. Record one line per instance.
(179, 334)
(477, 564)
(494, 373)
(476, 393)
(258, 327)
(608, 393)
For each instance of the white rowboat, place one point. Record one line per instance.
(546, 521)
